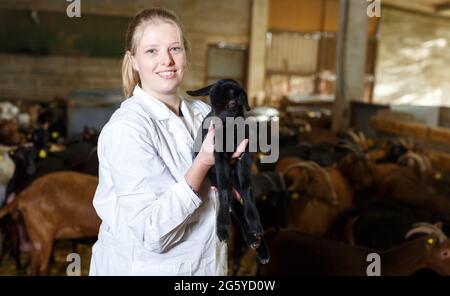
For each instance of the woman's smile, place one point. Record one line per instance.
(167, 74)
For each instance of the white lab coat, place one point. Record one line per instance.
(152, 222)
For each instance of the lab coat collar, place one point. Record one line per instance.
(158, 110)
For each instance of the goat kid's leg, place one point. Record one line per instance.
(222, 170)
(238, 213)
(243, 175)
(238, 243)
(262, 251)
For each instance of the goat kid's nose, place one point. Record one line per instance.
(232, 103)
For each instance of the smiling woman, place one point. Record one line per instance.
(156, 54)
(158, 213)
(160, 60)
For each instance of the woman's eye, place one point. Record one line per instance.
(151, 50)
(176, 49)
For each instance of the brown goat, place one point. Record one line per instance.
(294, 253)
(56, 206)
(420, 164)
(326, 193)
(306, 178)
(401, 183)
(317, 217)
(9, 133)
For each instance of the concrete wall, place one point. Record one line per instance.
(413, 59)
(42, 77)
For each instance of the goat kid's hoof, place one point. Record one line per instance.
(254, 245)
(258, 235)
(264, 260)
(257, 231)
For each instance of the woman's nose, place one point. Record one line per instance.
(166, 58)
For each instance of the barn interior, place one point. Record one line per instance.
(358, 91)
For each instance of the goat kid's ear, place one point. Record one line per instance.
(244, 101)
(200, 92)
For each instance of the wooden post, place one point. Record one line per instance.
(257, 53)
(350, 59)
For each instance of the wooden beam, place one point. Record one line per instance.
(433, 135)
(435, 142)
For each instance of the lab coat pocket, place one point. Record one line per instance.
(103, 261)
(149, 268)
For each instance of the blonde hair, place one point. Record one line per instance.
(130, 77)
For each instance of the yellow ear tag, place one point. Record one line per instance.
(294, 195)
(42, 154)
(1, 157)
(264, 197)
(29, 136)
(55, 135)
(430, 241)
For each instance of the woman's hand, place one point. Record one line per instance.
(236, 194)
(206, 153)
(205, 160)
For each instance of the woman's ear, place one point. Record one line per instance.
(133, 62)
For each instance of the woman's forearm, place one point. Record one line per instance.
(196, 174)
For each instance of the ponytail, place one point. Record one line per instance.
(130, 78)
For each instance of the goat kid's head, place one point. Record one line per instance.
(228, 98)
(308, 180)
(437, 246)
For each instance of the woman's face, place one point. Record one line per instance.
(160, 59)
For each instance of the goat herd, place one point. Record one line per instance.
(329, 208)
(47, 182)
(324, 206)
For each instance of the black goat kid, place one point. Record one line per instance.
(229, 100)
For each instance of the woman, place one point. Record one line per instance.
(158, 215)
